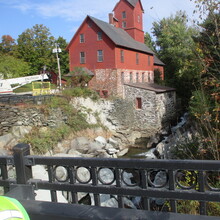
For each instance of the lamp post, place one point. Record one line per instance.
(58, 50)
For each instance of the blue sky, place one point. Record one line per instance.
(63, 17)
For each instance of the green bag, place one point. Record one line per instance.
(11, 209)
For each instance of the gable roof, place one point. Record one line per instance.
(157, 61)
(151, 87)
(132, 3)
(120, 37)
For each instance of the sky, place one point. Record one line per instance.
(63, 17)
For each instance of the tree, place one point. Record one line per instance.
(35, 47)
(176, 48)
(205, 103)
(11, 67)
(149, 42)
(7, 45)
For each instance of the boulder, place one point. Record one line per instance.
(101, 140)
(20, 131)
(80, 144)
(5, 140)
(123, 152)
(113, 142)
(94, 147)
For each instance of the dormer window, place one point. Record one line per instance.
(99, 35)
(124, 24)
(124, 14)
(82, 38)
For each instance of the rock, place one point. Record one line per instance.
(113, 142)
(123, 152)
(5, 140)
(20, 131)
(4, 152)
(94, 147)
(101, 140)
(72, 153)
(112, 151)
(80, 144)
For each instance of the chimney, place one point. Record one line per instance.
(111, 18)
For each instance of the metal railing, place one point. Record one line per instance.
(148, 181)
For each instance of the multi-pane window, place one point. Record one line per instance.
(143, 77)
(131, 77)
(99, 35)
(137, 58)
(122, 56)
(124, 24)
(124, 14)
(82, 57)
(148, 60)
(100, 55)
(82, 38)
(149, 78)
(137, 77)
(122, 77)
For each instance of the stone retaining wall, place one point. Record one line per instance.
(11, 116)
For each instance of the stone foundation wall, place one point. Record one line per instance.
(11, 116)
(156, 109)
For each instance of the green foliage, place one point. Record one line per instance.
(176, 48)
(11, 67)
(35, 47)
(79, 77)
(7, 45)
(43, 141)
(80, 92)
(149, 42)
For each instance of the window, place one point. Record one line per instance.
(137, 58)
(122, 56)
(139, 19)
(82, 38)
(124, 14)
(122, 77)
(137, 77)
(82, 57)
(148, 60)
(149, 77)
(138, 103)
(124, 24)
(131, 77)
(100, 55)
(143, 77)
(99, 35)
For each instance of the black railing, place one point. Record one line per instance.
(155, 184)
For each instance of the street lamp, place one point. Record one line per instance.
(58, 50)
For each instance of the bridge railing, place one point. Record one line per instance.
(148, 183)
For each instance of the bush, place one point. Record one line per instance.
(80, 92)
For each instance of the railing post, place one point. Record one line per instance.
(23, 172)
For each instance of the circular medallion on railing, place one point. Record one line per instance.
(157, 178)
(83, 175)
(130, 177)
(61, 174)
(212, 180)
(186, 179)
(106, 176)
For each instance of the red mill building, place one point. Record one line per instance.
(115, 52)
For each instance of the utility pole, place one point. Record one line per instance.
(58, 50)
